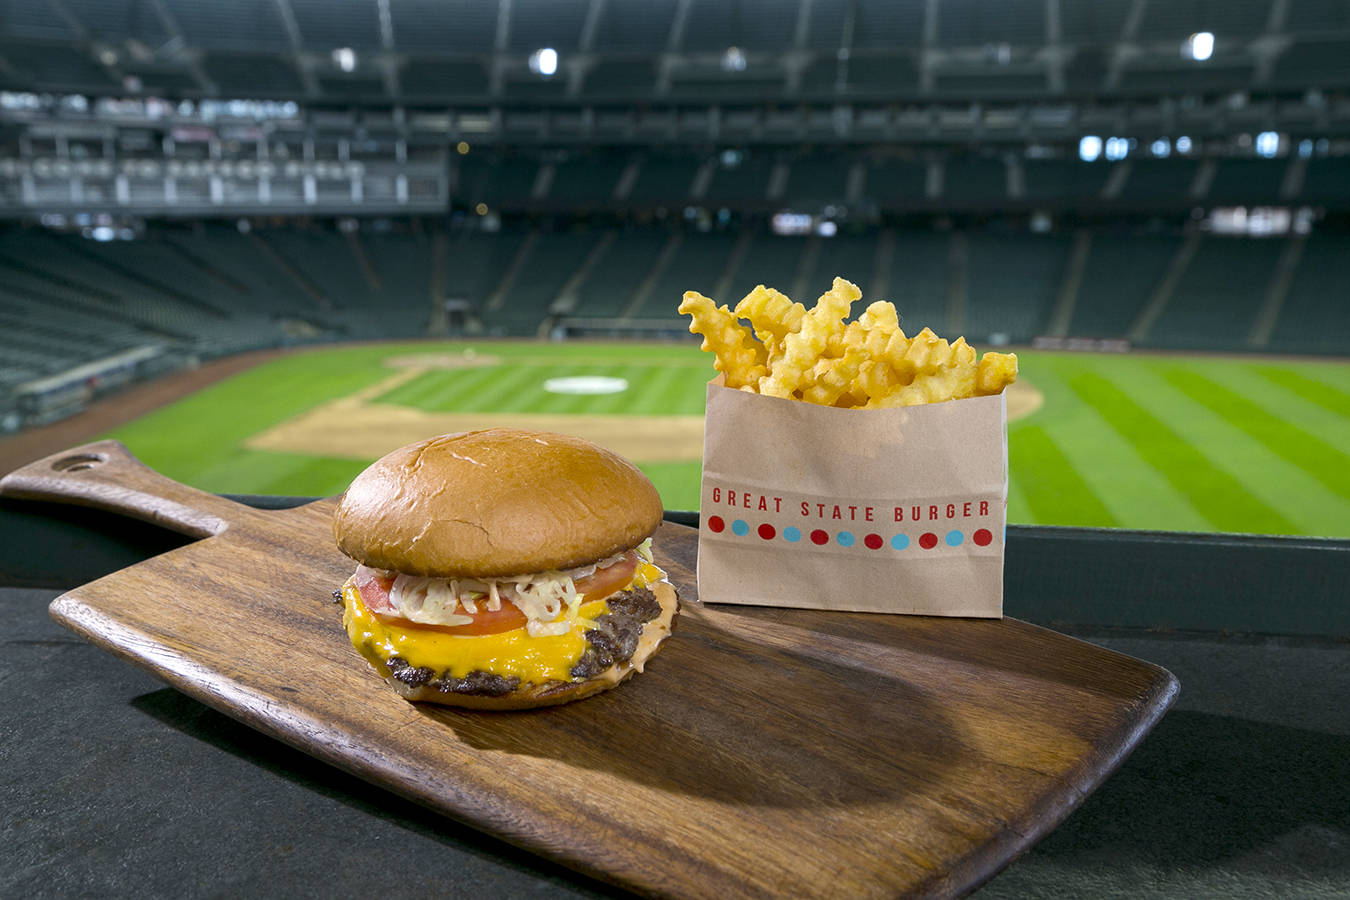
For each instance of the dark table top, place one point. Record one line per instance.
(118, 785)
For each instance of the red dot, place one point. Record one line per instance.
(767, 532)
(873, 541)
(982, 537)
(819, 537)
(928, 540)
(715, 524)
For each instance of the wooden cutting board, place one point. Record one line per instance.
(764, 752)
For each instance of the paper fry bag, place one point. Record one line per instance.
(884, 510)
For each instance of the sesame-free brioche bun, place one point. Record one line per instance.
(493, 503)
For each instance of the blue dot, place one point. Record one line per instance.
(792, 534)
(845, 538)
(954, 538)
(900, 542)
(740, 528)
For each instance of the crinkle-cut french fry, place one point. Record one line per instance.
(995, 372)
(802, 348)
(881, 316)
(850, 400)
(772, 315)
(737, 355)
(818, 356)
(832, 377)
(931, 387)
(875, 378)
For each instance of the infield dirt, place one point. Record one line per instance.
(357, 427)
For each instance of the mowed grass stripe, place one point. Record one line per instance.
(1286, 440)
(1133, 492)
(498, 393)
(1294, 493)
(1296, 382)
(677, 394)
(1290, 406)
(1018, 508)
(431, 389)
(1222, 499)
(1037, 460)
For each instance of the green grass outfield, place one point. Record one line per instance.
(1132, 441)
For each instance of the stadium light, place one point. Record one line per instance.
(544, 61)
(1117, 148)
(1268, 144)
(1161, 148)
(1089, 148)
(345, 59)
(1200, 46)
(1183, 144)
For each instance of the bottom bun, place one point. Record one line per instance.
(552, 693)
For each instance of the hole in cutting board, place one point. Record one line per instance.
(77, 462)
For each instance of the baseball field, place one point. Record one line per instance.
(1138, 441)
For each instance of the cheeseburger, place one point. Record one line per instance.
(503, 569)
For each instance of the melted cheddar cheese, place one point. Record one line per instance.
(508, 653)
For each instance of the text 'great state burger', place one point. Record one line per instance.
(503, 569)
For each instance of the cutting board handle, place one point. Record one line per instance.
(105, 475)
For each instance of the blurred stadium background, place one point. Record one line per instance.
(1149, 200)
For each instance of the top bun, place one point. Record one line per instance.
(493, 503)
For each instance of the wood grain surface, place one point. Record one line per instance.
(764, 752)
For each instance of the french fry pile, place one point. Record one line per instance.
(818, 356)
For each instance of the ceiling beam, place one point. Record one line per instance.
(82, 34)
(499, 44)
(7, 69)
(930, 54)
(591, 24)
(1125, 50)
(191, 61)
(1055, 55)
(389, 62)
(293, 37)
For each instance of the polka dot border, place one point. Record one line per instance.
(870, 541)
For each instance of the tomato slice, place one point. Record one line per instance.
(603, 582)
(374, 589)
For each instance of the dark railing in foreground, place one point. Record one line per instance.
(1056, 576)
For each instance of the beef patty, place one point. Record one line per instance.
(614, 639)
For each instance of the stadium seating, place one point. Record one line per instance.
(1056, 181)
(209, 289)
(816, 182)
(970, 181)
(916, 276)
(741, 185)
(1327, 181)
(663, 181)
(1315, 315)
(698, 264)
(1159, 183)
(605, 291)
(539, 276)
(897, 183)
(1012, 281)
(768, 260)
(1120, 274)
(851, 256)
(1215, 303)
(1248, 181)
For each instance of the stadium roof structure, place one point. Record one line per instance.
(430, 52)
